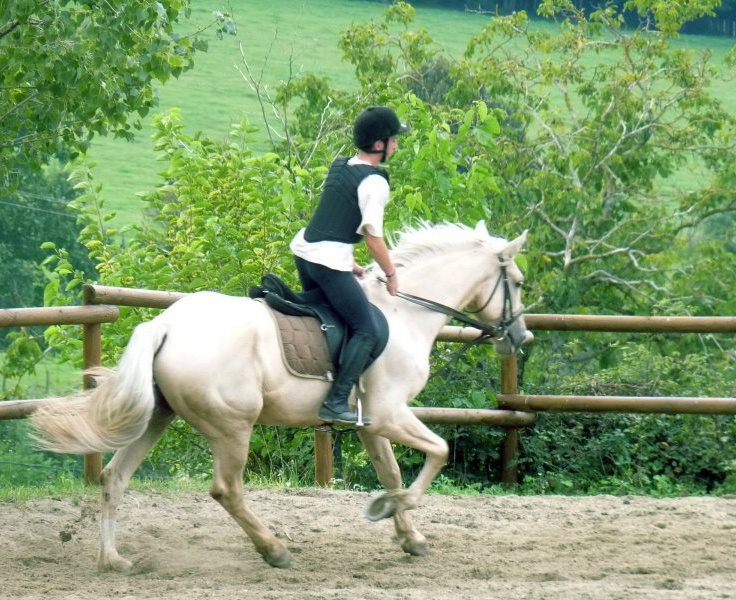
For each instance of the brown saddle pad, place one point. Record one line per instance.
(303, 346)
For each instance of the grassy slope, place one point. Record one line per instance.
(213, 95)
(51, 377)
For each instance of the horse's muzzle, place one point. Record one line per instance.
(514, 336)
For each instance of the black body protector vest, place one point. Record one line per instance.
(338, 215)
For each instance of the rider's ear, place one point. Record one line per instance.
(513, 247)
(481, 227)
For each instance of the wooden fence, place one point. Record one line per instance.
(91, 318)
(509, 397)
(515, 410)
(97, 310)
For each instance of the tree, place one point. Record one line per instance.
(32, 215)
(600, 117)
(71, 70)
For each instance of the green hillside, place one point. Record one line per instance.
(279, 39)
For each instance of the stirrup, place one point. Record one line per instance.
(346, 417)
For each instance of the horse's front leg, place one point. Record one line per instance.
(383, 459)
(406, 429)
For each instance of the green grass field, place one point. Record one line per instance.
(52, 377)
(278, 36)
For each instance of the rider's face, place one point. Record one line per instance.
(392, 146)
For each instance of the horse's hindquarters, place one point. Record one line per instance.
(222, 360)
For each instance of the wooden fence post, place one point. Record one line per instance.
(92, 348)
(510, 444)
(323, 455)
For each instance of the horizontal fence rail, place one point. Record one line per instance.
(19, 409)
(103, 294)
(632, 324)
(629, 404)
(474, 416)
(514, 410)
(58, 315)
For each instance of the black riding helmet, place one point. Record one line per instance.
(376, 123)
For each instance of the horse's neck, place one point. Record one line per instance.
(449, 279)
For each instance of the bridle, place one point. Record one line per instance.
(499, 330)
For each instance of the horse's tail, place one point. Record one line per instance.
(113, 414)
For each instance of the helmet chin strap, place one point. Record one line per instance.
(381, 152)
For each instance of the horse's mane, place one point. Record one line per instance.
(427, 239)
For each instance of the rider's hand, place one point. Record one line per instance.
(392, 284)
(358, 271)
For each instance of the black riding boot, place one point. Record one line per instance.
(335, 406)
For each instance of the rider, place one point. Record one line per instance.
(350, 209)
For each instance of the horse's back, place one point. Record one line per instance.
(211, 339)
(207, 314)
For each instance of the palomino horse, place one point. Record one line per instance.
(217, 363)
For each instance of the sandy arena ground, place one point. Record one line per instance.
(186, 546)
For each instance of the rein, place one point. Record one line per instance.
(496, 330)
(487, 329)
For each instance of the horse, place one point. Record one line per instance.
(215, 361)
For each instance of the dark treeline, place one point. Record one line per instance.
(723, 23)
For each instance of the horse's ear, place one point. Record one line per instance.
(481, 228)
(513, 247)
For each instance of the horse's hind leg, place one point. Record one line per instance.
(114, 480)
(229, 454)
(384, 461)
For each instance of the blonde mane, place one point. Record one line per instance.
(427, 239)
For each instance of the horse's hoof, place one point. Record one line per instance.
(383, 507)
(415, 548)
(116, 563)
(279, 560)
